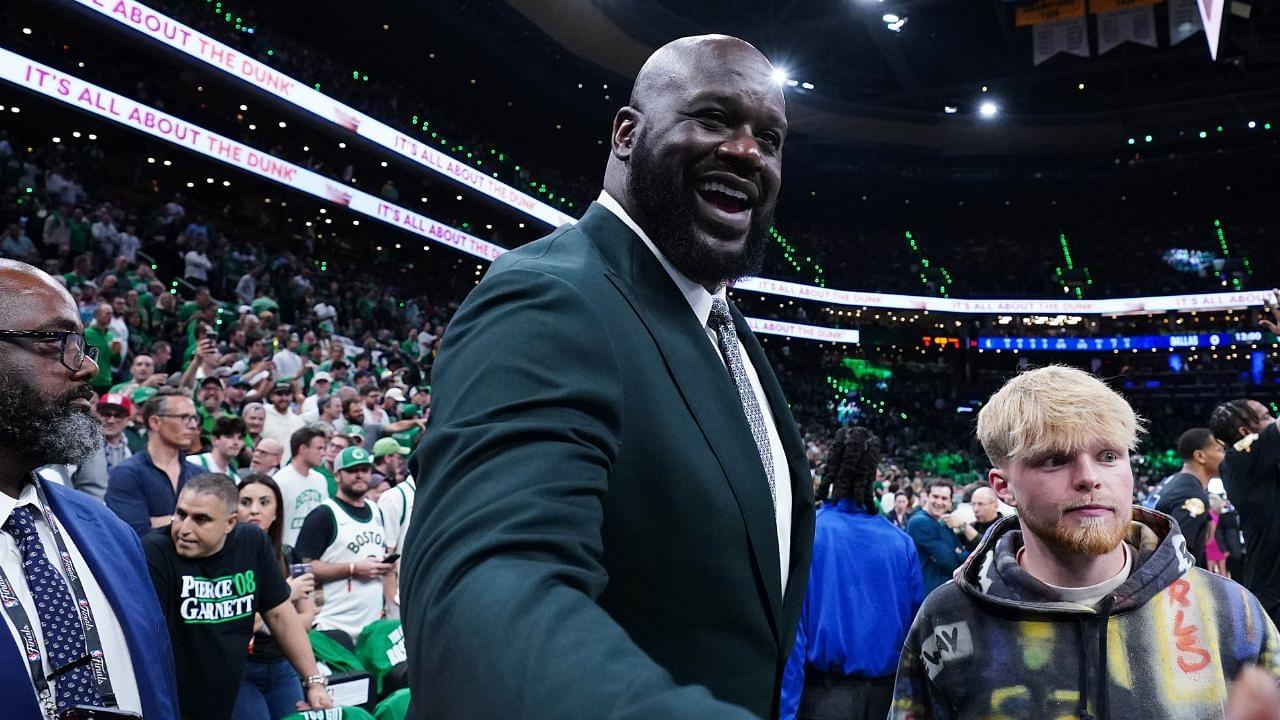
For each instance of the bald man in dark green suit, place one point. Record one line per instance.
(614, 515)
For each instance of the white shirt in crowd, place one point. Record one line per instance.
(246, 289)
(700, 302)
(129, 246)
(301, 494)
(397, 507)
(115, 649)
(197, 265)
(280, 426)
(288, 364)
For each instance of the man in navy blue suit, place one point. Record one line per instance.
(82, 624)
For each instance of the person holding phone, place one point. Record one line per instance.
(270, 687)
(344, 539)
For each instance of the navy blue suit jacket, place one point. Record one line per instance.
(113, 553)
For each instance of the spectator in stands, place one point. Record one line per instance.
(114, 412)
(388, 461)
(197, 264)
(226, 437)
(345, 541)
(271, 687)
(128, 243)
(211, 574)
(397, 508)
(280, 421)
(864, 568)
(254, 415)
(986, 510)
(941, 549)
(1251, 474)
(902, 509)
(265, 458)
(302, 488)
(143, 490)
(288, 362)
(1185, 494)
(1059, 442)
(15, 244)
(110, 348)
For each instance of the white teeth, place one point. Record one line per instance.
(722, 188)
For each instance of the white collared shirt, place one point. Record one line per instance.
(700, 302)
(114, 647)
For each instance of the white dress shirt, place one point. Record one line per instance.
(700, 302)
(115, 649)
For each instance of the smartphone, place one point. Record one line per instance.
(391, 558)
(87, 712)
(211, 336)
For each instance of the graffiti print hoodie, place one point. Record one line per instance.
(998, 643)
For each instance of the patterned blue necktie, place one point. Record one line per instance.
(722, 323)
(59, 620)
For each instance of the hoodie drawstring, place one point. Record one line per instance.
(1104, 674)
(1100, 702)
(1082, 706)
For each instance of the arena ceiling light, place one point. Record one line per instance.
(988, 109)
(780, 75)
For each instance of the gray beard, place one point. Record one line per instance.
(45, 431)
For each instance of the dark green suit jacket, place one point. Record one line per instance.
(593, 535)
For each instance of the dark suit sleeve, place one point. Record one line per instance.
(931, 544)
(503, 559)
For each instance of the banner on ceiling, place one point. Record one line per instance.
(1184, 20)
(1130, 24)
(1069, 36)
(1045, 11)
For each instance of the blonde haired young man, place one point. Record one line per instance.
(1082, 605)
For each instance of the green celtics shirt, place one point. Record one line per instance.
(380, 648)
(395, 707)
(208, 605)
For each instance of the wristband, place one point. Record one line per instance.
(321, 680)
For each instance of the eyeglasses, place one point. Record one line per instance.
(184, 418)
(72, 349)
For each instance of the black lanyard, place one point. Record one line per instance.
(22, 623)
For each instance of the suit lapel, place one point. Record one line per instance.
(702, 381)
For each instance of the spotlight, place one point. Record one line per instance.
(779, 75)
(988, 109)
(890, 18)
(950, 109)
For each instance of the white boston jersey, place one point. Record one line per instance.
(351, 603)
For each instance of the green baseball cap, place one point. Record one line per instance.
(352, 457)
(388, 446)
(354, 431)
(142, 394)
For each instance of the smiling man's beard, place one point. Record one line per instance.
(1093, 536)
(43, 430)
(666, 215)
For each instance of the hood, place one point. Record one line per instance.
(992, 573)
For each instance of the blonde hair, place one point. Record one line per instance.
(1054, 409)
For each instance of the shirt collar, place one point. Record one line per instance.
(27, 496)
(697, 296)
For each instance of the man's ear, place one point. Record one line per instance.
(625, 125)
(1000, 484)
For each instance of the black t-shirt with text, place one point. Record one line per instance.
(1183, 497)
(1252, 479)
(209, 605)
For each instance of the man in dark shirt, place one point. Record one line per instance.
(211, 575)
(1251, 474)
(143, 489)
(1185, 494)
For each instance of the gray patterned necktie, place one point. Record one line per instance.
(722, 323)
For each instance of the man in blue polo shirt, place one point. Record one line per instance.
(143, 490)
